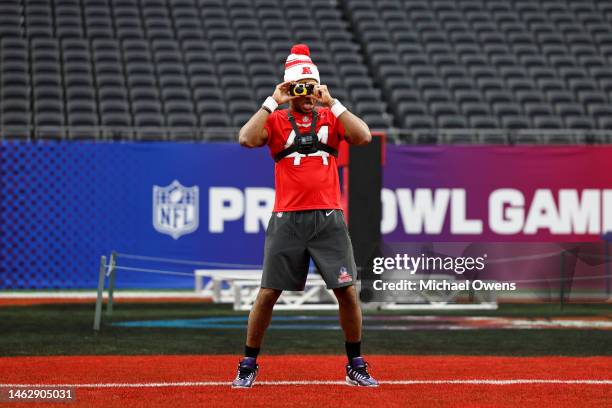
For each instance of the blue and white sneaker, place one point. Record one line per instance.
(357, 374)
(247, 372)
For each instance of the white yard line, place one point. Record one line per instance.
(308, 382)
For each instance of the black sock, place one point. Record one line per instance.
(251, 351)
(352, 349)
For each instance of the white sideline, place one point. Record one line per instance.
(308, 382)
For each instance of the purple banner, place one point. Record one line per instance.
(488, 194)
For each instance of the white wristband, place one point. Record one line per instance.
(270, 104)
(337, 108)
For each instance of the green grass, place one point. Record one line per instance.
(67, 330)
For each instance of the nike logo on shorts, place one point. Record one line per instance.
(327, 213)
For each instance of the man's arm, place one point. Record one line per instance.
(253, 133)
(356, 131)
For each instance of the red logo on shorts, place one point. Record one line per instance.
(306, 70)
(344, 276)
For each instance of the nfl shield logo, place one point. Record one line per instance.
(344, 276)
(176, 209)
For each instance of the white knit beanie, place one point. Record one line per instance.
(299, 65)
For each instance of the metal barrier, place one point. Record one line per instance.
(242, 287)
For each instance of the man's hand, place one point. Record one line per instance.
(321, 95)
(281, 93)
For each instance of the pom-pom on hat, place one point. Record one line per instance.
(299, 65)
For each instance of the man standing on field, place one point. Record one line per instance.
(307, 220)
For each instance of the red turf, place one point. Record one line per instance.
(146, 369)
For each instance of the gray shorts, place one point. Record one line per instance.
(293, 238)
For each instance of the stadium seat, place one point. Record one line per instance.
(547, 122)
(483, 122)
(445, 121)
(376, 121)
(215, 121)
(579, 122)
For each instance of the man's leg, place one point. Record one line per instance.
(350, 320)
(332, 252)
(350, 313)
(285, 268)
(259, 318)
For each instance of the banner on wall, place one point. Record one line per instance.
(484, 193)
(62, 205)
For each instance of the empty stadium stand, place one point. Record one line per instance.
(499, 64)
(427, 71)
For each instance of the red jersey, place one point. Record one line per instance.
(305, 182)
